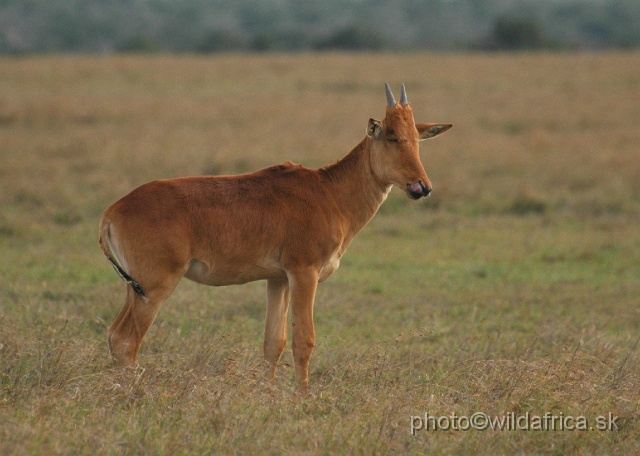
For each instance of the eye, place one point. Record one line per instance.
(393, 140)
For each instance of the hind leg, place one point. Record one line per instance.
(123, 313)
(134, 320)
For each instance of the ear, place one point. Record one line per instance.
(428, 130)
(374, 129)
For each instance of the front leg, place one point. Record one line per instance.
(275, 328)
(303, 284)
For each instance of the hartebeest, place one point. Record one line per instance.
(287, 224)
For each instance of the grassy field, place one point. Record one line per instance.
(514, 289)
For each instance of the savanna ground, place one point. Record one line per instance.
(514, 288)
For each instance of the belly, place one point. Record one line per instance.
(235, 273)
(229, 274)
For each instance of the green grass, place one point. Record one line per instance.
(514, 288)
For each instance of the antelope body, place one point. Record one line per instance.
(287, 224)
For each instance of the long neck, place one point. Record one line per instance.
(356, 190)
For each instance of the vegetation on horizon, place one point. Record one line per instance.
(205, 26)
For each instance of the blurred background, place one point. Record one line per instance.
(205, 26)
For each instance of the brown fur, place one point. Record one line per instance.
(286, 224)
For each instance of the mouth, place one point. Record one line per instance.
(417, 190)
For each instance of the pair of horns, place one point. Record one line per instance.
(392, 101)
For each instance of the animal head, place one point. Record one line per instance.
(395, 153)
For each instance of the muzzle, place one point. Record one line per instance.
(417, 190)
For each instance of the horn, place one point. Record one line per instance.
(403, 96)
(390, 100)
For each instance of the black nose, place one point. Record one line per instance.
(418, 190)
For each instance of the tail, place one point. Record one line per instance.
(111, 253)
